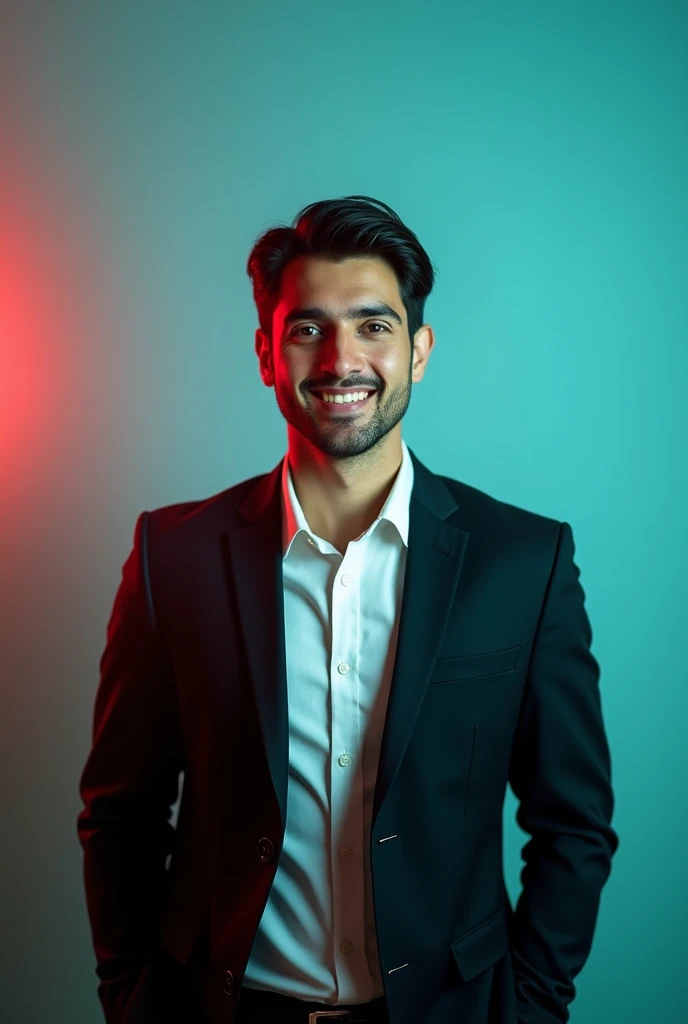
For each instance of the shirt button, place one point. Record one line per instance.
(343, 667)
(346, 946)
(346, 579)
(345, 760)
(345, 851)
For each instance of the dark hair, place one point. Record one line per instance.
(339, 229)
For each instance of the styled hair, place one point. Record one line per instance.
(338, 229)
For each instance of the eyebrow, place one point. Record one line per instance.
(352, 313)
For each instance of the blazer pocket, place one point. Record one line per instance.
(482, 946)
(472, 666)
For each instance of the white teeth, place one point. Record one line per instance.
(355, 396)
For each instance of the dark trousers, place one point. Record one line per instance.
(257, 1007)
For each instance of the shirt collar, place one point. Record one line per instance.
(395, 510)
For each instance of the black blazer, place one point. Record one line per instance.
(494, 681)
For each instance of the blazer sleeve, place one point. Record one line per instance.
(560, 773)
(129, 782)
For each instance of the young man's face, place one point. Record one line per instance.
(311, 352)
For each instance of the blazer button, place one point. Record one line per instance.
(266, 849)
(229, 983)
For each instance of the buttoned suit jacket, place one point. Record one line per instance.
(494, 682)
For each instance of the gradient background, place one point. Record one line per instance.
(538, 150)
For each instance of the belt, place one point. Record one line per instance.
(274, 1008)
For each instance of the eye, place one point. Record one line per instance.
(309, 327)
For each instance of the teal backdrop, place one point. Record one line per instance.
(538, 149)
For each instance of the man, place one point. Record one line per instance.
(348, 658)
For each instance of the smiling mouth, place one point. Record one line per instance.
(343, 406)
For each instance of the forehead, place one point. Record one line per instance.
(314, 280)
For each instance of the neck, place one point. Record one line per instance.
(341, 498)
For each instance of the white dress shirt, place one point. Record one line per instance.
(316, 940)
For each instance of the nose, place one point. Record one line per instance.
(341, 357)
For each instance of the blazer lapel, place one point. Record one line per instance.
(433, 566)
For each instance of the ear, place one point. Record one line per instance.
(263, 351)
(423, 342)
